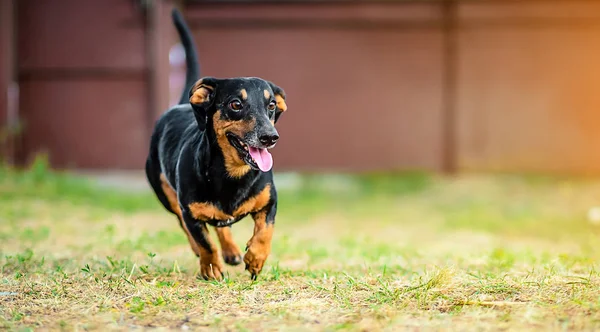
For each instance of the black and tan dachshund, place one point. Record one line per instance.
(209, 162)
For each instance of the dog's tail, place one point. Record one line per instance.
(191, 57)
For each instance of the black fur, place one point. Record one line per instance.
(184, 145)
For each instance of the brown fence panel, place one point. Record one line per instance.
(75, 34)
(82, 73)
(96, 125)
(368, 83)
(363, 80)
(528, 83)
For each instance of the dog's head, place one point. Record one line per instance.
(241, 113)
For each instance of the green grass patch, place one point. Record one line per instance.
(363, 252)
(38, 182)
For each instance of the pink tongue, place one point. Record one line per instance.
(263, 158)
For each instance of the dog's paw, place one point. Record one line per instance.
(231, 253)
(211, 270)
(232, 258)
(255, 260)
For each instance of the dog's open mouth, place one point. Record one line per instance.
(257, 158)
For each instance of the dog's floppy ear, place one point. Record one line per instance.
(279, 99)
(202, 96)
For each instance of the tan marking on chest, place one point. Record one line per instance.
(207, 211)
(254, 203)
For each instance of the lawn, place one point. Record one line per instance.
(377, 252)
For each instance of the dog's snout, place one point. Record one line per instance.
(269, 139)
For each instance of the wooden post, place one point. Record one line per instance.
(450, 59)
(158, 39)
(8, 96)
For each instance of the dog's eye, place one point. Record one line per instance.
(272, 106)
(235, 105)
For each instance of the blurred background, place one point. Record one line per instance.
(435, 154)
(440, 86)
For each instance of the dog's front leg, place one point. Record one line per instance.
(210, 263)
(232, 254)
(259, 246)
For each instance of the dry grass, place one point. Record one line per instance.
(470, 253)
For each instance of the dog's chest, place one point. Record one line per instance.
(222, 215)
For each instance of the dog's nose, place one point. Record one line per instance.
(268, 140)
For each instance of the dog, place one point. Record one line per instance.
(209, 162)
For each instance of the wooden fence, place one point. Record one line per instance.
(435, 85)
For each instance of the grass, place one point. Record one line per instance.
(404, 252)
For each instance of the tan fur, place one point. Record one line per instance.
(235, 166)
(207, 211)
(201, 93)
(255, 203)
(228, 246)
(281, 103)
(259, 246)
(210, 263)
(172, 198)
